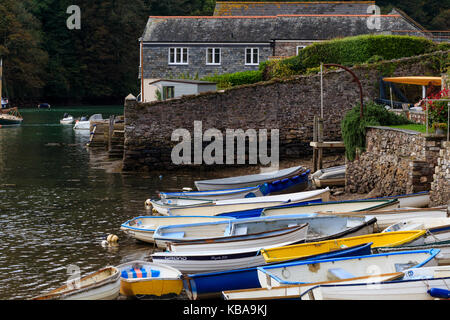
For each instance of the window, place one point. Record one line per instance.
(251, 56)
(213, 56)
(299, 48)
(168, 92)
(178, 56)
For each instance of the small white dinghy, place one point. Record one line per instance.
(415, 285)
(215, 236)
(438, 229)
(142, 228)
(385, 218)
(248, 180)
(241, 256)
(215, 195)
(103, 284)
(83, 124)
(236, 205)
(67, 119)
(344, 268)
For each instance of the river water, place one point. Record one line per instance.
(57, 203)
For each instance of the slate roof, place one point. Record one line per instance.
(264, 28)
(246, 8)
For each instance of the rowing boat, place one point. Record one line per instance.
(438, 229)
(215, 195)
(146, 278)
(344, 268)
(392, 239)
(385, 218)
(217, 235)
(443, 258)
(332, 206)
(297, 290)
(414, 200)
(248, 180)
(415, 285)
(103, 284)
(142, 228)
(209, 261)
(234, 205)
(211, 284)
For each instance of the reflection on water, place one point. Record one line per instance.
(56, 206)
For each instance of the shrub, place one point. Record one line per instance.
(235, 79)
(356, 50)
(353, 128)
(438, 110)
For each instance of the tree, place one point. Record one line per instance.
(23, 58)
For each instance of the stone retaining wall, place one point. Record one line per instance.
(288, 105)
(395, 162)
(440, 187)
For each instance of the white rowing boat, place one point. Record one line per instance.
(385, 218)
(344, 268)
(415, 285)
(438, 229)
(210, 261)
(237, 205)
(103, 284)
(248, 180)
(215, 236)
(332, 207)
(215, 195)
(142, 228)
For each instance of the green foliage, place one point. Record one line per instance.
(354, 128)
(438, 110)
(235, 79)
(350, 51)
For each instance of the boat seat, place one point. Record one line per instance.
(174, 235)
(338, 274)
(239, 231)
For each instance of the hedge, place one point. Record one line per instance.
(228, 80)
(352, 50)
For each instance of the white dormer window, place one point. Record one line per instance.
(178, 56)
(213, 56)
(251, 56)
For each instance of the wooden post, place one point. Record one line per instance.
(315, 139)
(111, 131)
(320, 139)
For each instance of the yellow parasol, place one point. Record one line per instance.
(418, 80)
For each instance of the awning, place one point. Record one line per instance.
(418, 80)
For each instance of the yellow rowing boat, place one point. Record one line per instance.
(386, 239)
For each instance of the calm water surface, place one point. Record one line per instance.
(57, 203)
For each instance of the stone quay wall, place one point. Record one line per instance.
(440, 187)
(395, 162)
(288, 105)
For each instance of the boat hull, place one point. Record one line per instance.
(166, 282)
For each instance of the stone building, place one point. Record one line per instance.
(193, 47)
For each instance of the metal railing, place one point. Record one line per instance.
(436, 36)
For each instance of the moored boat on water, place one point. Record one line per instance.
(10, 117)
(215, 236)
(85, 124)
(103, 284)
(438, 229)
(415, 285)
(67, 119)
(226, 207)
(395, 239)
(145, 278)
(344, 268)
(218, 260)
